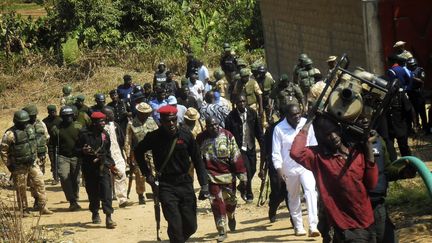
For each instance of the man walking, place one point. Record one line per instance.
(244, 124)
(18, 152)
(172, 160)
(293, 173)
(65, 137)
(94, 147)
(50, 121)
(135, 132)
(223, 160)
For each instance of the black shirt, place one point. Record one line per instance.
(177, 167)
(50, 122)
(100, 143)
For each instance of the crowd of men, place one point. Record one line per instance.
(162, 132)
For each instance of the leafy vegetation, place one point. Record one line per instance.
(155, 29)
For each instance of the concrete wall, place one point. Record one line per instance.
(319, 28)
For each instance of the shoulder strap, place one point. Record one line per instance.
(167, 158)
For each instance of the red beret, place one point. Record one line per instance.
(97, 115)
(168, 109)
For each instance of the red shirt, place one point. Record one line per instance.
(344, 194)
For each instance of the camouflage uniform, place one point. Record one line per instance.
(18, 150)
(250, 90)
(135, 132)
(68, 100)
(290, 94)
(306, 78)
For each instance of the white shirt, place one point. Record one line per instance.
(203, 73)
(116, 153)
(181, 110)
(197, 90)
(283, 138)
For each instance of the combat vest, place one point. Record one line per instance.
(40, 137)
(287, 96)
(139, 130)
(267, 85)
(249, 91)
(306, 79)
(24, 149)
(160, 78)
(69, 100)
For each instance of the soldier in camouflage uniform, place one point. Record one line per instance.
(307, 76)
(83, 111)
(18, 150)
(221, 84)
(42, 135)
(250, 89)
(135, 132)
(286, 93)
(68, 98)
(298, 67)
(266, 84)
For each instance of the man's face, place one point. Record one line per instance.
(241, 104)
(331, 64)
(161, 94)
(32, 119)
(52, 113)
(128, 82)
(169, 123)
(212, 127)
(193, 78)
(98, 124)
(142, 116)
(100, 103)
(170, 76)
(114, 97)
(293, 116)
(244, 79)
(161, 68)
(333, 140)
(67, 119)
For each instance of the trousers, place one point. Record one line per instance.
(223, 202)
(249, 157)
(278, 191)
(120, 183)
(307, 181)
(36, 183)
(179, 209)
(69, 173)
(99, 190)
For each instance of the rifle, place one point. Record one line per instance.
(155, 189)
(264, 187)
(130, 176)
(56, 157)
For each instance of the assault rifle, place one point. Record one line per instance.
(264, 187)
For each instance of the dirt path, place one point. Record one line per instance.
(136, 224)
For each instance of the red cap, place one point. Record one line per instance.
(167, 110)
(98, 115)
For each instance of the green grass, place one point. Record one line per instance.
(8, 7)
(71, 51)
(411, 195)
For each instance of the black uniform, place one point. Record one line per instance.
(121, 110)
(416, 97)
(228, 64)
(176, 191)
(399, 111)
(191, 67)
(278, 191)
(50, 122)
(97, 175)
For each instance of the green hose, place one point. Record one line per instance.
(423, 170)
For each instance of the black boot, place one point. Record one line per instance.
(96, 218)
(109, 223)
(141, 199)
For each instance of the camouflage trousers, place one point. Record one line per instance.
(139, 181)
(223, 203)
(37, 185)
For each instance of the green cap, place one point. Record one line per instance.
(256, 65)
(31, 110)
(244, 72)
(51, 107)
(184, 81)
(241, 62)
(284, 77)
(67, 89)
(80, 97)
(307, 61)
(219, 74)
(303, 57)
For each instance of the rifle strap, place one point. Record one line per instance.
(167, 158)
